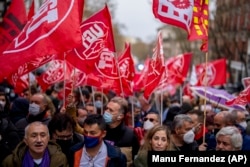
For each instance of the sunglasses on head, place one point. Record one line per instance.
(150, 119)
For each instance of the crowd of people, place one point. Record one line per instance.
(94, 129)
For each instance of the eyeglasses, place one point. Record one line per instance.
(150, 119)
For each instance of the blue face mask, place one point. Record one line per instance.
(91, 142)
(107, 117)
(98, 104)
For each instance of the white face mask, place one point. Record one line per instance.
(34, 109)
(188, 137)
(2, 103)
(147, 125)
(243, 124)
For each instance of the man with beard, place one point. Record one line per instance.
(40, 109)
(61, 129)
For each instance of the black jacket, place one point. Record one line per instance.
(8, 138)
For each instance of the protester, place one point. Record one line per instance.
(150, 120)
(41, 109)
(118, 134)
(5, 102)
(229, 139)
(157, 139)
(197, 117)
(91, 109)
(182, 134)
(19, 109)
(221, 119)
(8, 135)
(146, 105)
(36, 149)
(94, 151)
(81, 115)
(61, 129)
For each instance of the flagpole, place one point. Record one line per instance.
(102, 102)
(119, 75)
(205, 101)
(161, 106)
(133, 111)
(64, 80)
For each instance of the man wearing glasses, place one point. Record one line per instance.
(62, 132)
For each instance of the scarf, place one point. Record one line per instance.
(28, 160)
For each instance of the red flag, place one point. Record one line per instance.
(176, 69)
(140, 78)
(57, 71)
(28, 67)
(97, 36)
(13, 23)
(178, 13)
(55, 28)
(126, 73)
(156, 68)
(242, 99)
(199, 26)
(215, 75)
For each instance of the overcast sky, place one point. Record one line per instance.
(138, 18)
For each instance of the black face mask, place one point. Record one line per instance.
(216, 131)
(65, 145)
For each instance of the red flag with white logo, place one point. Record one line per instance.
(28, 67)
(97, 42)
(123, 84)
(155, 69)
(55, 28)
(13, 22)
(178, 13)
(215, 74)
(176, 69)
(242, 99)
(57, 71)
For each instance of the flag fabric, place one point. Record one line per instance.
(215, 75)
(199, 26)
(97, 43)
(245, 82)
(13, 22)
(55, 28)
(242, 99)
(177, 13)
(57, 71)
(155, 69)
(190, 15)
(126, 73)
(176, 69)
(28, 67)
(140, 78)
